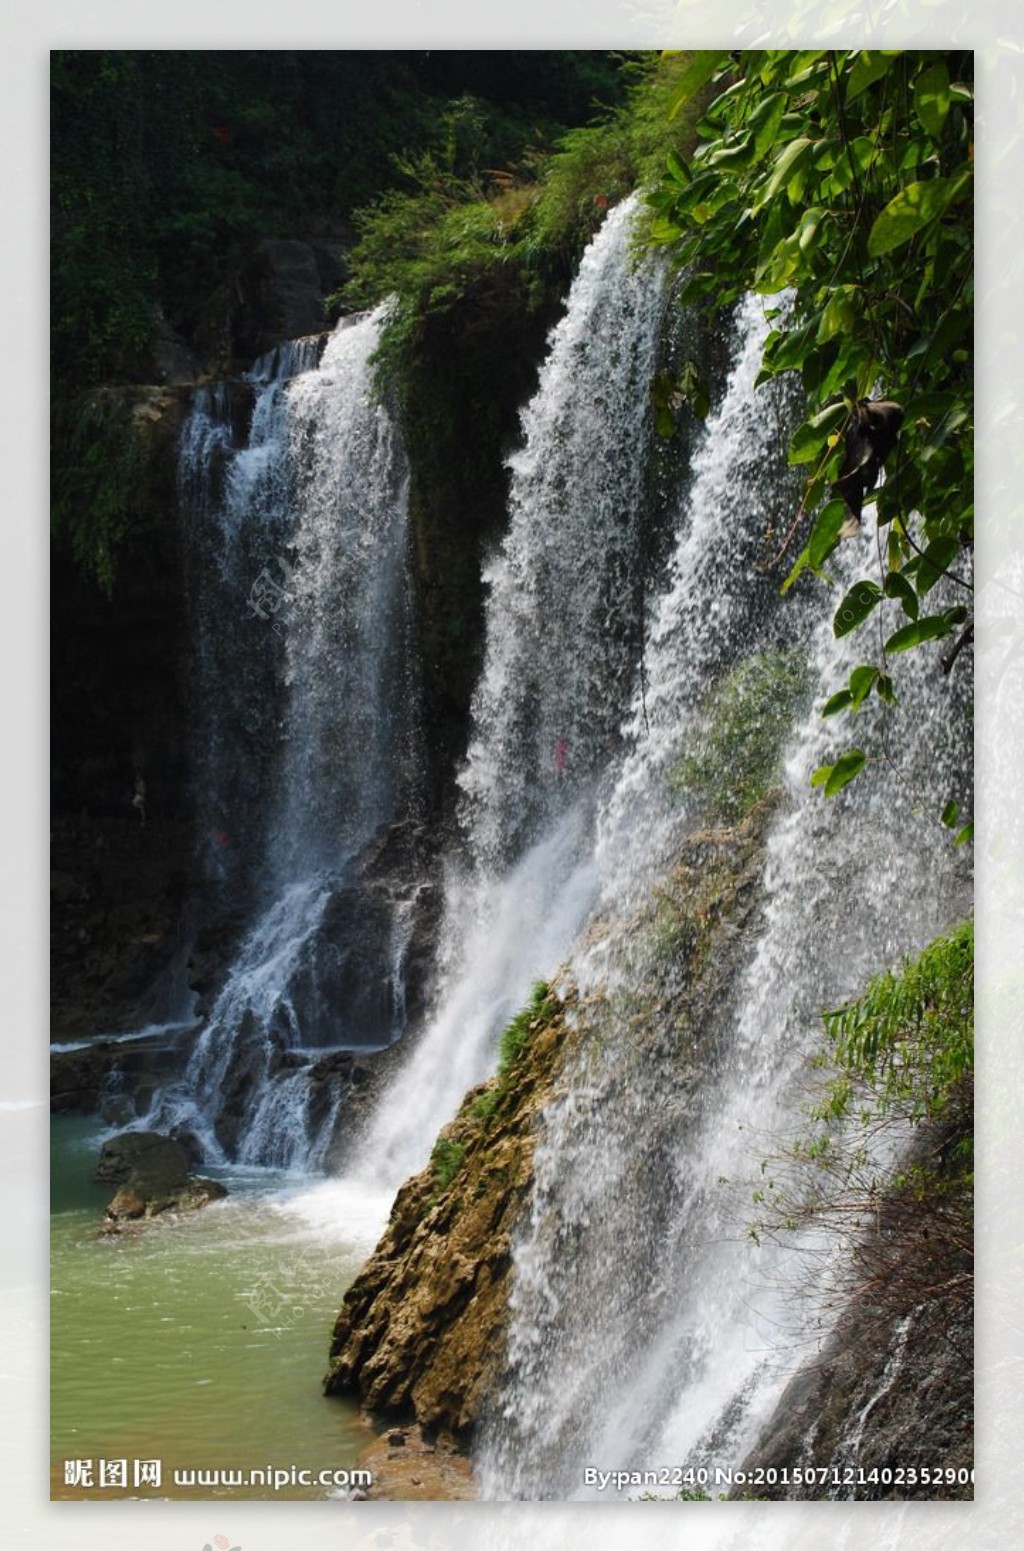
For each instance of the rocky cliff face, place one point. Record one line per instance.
(420, 1336)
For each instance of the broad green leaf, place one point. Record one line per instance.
(825, 533)
(943, 429)
(809, 439)
(856, 607)
(844, 770)
(837, 702)
(810, 228)
(935, 561)
(914, 208)
(839, 315)
(677, 167)
(821, 775)
(799, 567)
(931, 98)
(897, 586)
(785, 165)
(949, 814)
(862, 151)
(966, 834)
(764, 122)
(804, 66)
(663, 229)
(861, 681)
(698, 72)
(868, 68)
(733, 158)
(885, 689)
(931, 628)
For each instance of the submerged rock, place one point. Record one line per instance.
(153, 1176)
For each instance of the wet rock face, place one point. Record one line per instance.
(114, 1078)
(422, 1332)
(885, 1394)
(280, 291)
(420, 1335)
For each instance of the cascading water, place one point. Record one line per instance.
(235, 491)
(647, 1329)
(562, 643)
(304, 525)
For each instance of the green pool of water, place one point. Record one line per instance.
(199, 1343)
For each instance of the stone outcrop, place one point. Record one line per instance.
(420, 1336)
(153, 1175)
(115, 1078)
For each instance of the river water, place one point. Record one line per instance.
(198, 1342)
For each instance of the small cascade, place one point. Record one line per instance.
(235, 493)
(300, 560)
(561, 656)
(648, 1329)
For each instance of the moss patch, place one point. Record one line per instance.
(736, 750)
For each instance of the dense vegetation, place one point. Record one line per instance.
(167, 165)
(898, 1064)
(844, 178)
(167, 168)
(463, 221)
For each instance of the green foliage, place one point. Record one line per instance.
(909, 1040)
(735, 754)
(446, 1161)
(900, 1078)
(485, 1104)
(168, 165)
(516, 1036)
(845, 178)
(461, 213)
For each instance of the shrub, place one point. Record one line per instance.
(901, 1059)
(516, 1036)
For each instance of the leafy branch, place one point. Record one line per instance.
(843, 180)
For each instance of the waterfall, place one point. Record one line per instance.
(561, 650)
(564, 591)
(299, 538)
(647, 1328)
